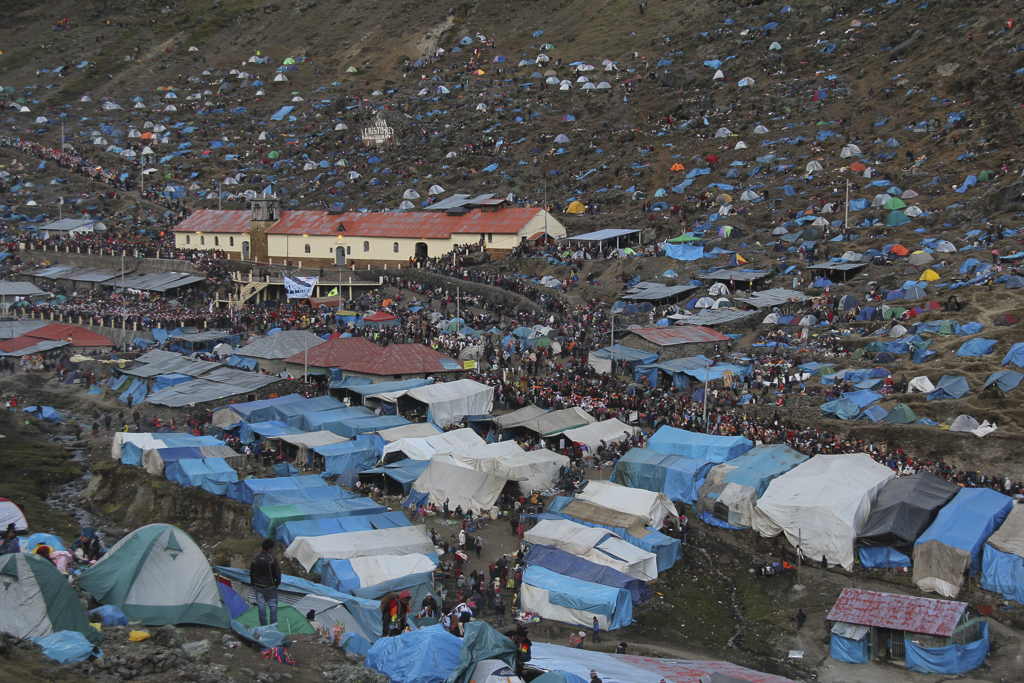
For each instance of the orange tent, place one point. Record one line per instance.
(678, 167)
(858, 167)
(146, 136)
(899, 250)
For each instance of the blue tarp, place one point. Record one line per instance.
(319, 421)
(137, 391)
(245, 409)
(232, 600)
(881, 557)
(210, 474)
(696, 446)
(862, 398)
(286, 411)
(253, 432)
(613, 606)
(366, 425)
(289, 531)
(976, 347)
(164, 381)
(266, 519)
(281, 113)
(564, 563)
(950, 386)
(684, 252)
(65, 647)
(45, 413)
(625, 353)
(1015, 355)
(841, 408)
(285, 469)
(1003, 573)
(967, 521)
(1006, 380)
(405, 472)
(246, 489)
(426, 655)
(304, 495)
(341, 457)
(108, 615)
(385, 387)
(848, 650)
(676, 476)
(952, 659)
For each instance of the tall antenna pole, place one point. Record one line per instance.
(846, 220)
(545, 212)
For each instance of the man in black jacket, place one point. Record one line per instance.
(265, 577)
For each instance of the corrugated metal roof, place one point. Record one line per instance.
(654, 291)
(356, 354)
(711, 316)
(25, 346)
(212, 220)
(9, 329)
(737, 275)
(901, 612)
(690, 334)
(280, 345)
(772, 297)
(414, 224)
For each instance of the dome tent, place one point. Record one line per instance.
(158, 575)
(36, 600)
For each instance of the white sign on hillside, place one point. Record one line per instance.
(378, 132)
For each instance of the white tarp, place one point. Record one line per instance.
(822, 504)
(406, 540)
(310, 440)
(415, 430)
(471, 489)
(535, 470)
(143, 441)
(922, 384)
(599, 546)
(424, 448)
(448, 402)
(609, 432)
(376, 569)
(653, 507)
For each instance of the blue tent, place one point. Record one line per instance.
(696, 446)
(841, 408)
(426, 655)
(874, 413)
(1015, 355)
(882, 557)
(753, 470)
(289, 531)
(567, 564)
(366, 425)
(404, 473)
(1006, 380)
(359, 455)
(164, 381)
(232, 600)
(319, 421)
(976, 347)
(676, 476)
(267, 518)
(1002, 562)
(862, 398)
(950, 386)
(232, 414)
(849, 643)
(954, 540)
(287, 410)
(572, 601)
(246, 490)
(210, 474)
(299, 495)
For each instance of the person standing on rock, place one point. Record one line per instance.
(265, 577)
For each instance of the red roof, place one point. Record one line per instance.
(211, 220)
(356, 354)
(380, 317)
(412, 224)
(79, 335)
(901, 612)
(688, 334)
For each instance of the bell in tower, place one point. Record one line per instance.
(265, 208)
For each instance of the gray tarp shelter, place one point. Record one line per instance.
(771, 298)
(221, 383)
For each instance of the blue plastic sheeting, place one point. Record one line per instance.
(251, 433)
(244, 410)
(131, 454)
(108, 615)
(164, 381)
(426, 655)
(210, 474)
(976, 347)
(285, 469)
(841, 408)
(245, 490)
(353, 643)
(45, 413)
(310, 495)
(281, 113)
(137, 391)
(366, 425)
(352, 381)
(684, 252)
(696, 446)
(266, 518)
(862, 398)
(264, 636)
(848, 650)
(1006, 380)
(625, 353)
(341, 457)
(115, 383)
(1003, 573)
(289, 531)
(65, 647)
(949, 386)
(1015, 355)
(677, 477)
(232, 600)
(757, 467)
(881, 557)
(874, 413)
(967, 521)
(290, 409)
(241, 362)
(340, 575)
(319, 421)
(405, 472)
(614, 604)
(681, 369)
(564, 563)
(669, 550)
(952, 659)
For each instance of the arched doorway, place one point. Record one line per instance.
(245, 251)
(421, 251)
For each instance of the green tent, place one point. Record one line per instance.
(685, 237)
(274, 155)
(894, 204)
(896, 218)
(289, 60)
(481, 642)
(158, 575)
(986, 177)
(858, 354)
(351, 70)
(901, 414)
(873, 347)
(37, 600)
(289, 620)
(894, 312)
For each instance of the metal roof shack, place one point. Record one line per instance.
(670, 336)
(899, 612)
(413, 224)
(210, 220)
(357, 356)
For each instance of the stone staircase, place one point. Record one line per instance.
(247, 292)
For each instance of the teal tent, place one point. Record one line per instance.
(158, 575)
(36, 600)
(900, 414)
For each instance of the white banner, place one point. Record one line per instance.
(299, 287)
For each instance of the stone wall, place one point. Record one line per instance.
(85, 259)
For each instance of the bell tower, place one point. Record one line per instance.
(266, 210)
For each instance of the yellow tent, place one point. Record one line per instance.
(575, 207)
(929, 276)
(678, 167)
